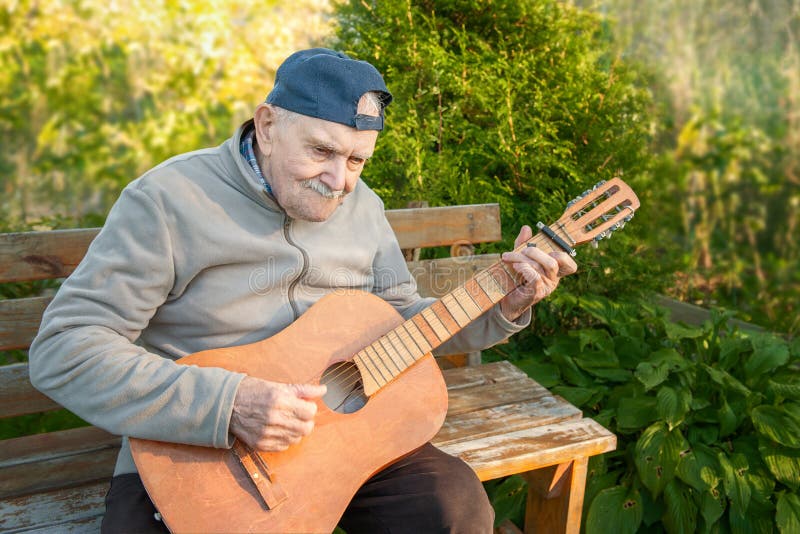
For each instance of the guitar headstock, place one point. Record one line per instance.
(594, 215)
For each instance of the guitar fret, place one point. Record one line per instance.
(386, 344)
(474, 290)
(378, 380)
(433, 320)
(456, 310)
(381, 355)
(494, 291)
(503, 278)
(443, 314)
(513, 278)
(425, 329)
(418, 338)
(406, 349)
(468, 304)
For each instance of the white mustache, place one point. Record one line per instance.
(317, 186)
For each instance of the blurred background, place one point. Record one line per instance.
(695, 103)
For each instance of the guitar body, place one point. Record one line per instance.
(202, 489)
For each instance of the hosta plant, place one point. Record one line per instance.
(708, 419)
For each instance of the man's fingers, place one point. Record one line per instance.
(309, 391)
(525, 234)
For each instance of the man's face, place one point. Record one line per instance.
(310, 163)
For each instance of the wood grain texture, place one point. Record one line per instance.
(77, 509)
(42, 255)
(19, 321)
(43, 462)
(558, 510)
(433, 227)
(55, 254)
(18, 396)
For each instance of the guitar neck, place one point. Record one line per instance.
(400, 348)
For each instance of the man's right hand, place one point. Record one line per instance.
(271, 416)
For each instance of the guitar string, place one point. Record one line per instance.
(349, 377)
(350, 374)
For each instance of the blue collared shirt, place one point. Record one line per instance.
(246, 149)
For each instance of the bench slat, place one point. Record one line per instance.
(43, 462)
(18, 396)
(436, 278)
(488, 373)
(20, 318)
(494, 394)
(533, 448)
(19, 321)
(481, 423)
(42, 255)
(75, 509)
(433, 227)
(55, 254)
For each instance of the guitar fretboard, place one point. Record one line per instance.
(394, 352)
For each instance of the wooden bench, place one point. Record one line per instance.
(499, 421)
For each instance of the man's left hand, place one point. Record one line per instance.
(540, 271)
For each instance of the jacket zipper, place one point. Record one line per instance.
(287, 222)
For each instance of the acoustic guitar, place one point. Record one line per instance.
(386, 396)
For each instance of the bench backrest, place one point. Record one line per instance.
(29, 256)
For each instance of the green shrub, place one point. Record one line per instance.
(708, 418)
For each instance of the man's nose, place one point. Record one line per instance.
(335, 175)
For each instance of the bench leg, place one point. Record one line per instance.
(555, 498)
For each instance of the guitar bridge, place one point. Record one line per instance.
(260, 474)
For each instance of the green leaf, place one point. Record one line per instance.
(788, 513)
(569, 370)
(634, 413)
(673, 405)
(651, 375)
(676, 332)
(618, 509)
(731, 349)
(681, 513)
(595, 338)
(733, 477)
(752, 523)
(508, 498)
(712, 506)
(657, 453)
(723, 378)
(769, 353)
(630, 350)
(727, 419)
(783, 463)
(787, 387)
(611, 375)
(761, 482)
(703, 434)
(672, 357)
(699, 468)
(544, 373)
(775, 423)
(577, 396)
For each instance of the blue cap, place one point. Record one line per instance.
(327, 85)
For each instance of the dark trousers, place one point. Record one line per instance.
(427, 491)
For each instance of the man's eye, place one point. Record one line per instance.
(322, 151)
(357, 161)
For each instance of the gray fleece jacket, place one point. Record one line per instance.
(194, 255)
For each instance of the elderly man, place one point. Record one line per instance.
(217, 248)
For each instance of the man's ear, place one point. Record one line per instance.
(263, 121)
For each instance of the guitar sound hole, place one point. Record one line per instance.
(345, 388)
